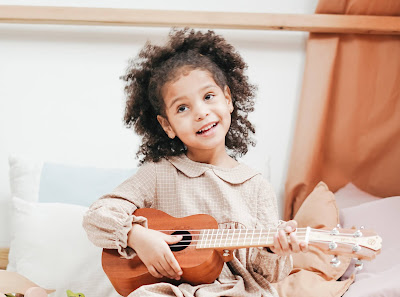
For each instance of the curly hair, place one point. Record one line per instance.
(156, 65)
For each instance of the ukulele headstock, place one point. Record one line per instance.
(361, 244)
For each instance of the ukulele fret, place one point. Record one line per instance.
(213, 238)
(267, 241)
(216, 238)
(206, 241)
(227, 237)
(201, 240)
(222, 236)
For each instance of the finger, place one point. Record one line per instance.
(294, 243)
(277, 247)
(303, 247)
(167, 270)
(283, 242)
(171, 239)
(173, 263)
(160, 268)
(154, 272)
(291, 226)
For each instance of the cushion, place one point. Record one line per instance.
(50, 247)
(312, 273)
(25, 177)
(351, 195)
(378, 277)
(318, 211)
(77, 184)
(34, 180)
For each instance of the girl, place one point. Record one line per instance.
(189, 100)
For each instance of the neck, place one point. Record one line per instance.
(214, 157)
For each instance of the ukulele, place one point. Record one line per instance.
(204, 248)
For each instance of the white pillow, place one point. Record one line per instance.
(50, 247)
(25, 177)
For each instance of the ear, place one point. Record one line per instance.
(166, 126)
(228, 97)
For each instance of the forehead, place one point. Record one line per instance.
(186, 82)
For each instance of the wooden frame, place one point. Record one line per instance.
(322, 23)
(4, 257)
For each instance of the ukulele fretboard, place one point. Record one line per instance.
(237, 238)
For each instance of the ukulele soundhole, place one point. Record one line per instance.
(184, 243)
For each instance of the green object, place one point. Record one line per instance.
(72, 294)
(10, 295)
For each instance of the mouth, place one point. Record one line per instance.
(206, 128)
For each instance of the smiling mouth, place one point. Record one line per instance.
(206, 129)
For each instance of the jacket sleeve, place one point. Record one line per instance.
(271, 266)
(110, 218)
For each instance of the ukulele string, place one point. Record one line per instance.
(253, 230)
(215, 238)
(219, 236)
(235, 230)
(207, 238)
(250, 232)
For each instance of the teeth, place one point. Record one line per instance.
(207, 128)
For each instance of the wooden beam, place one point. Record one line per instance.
(4, 258)
(322, 23)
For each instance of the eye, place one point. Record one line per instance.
(181, 108)
(209, 96)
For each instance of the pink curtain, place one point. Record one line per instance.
(348, 125)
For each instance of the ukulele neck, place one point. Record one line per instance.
(241, 238)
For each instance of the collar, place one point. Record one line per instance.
(236, 175)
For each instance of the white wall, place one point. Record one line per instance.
(61, 98)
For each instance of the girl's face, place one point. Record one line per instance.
(197, 111)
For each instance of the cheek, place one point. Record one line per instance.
(227, 114)
(229, 120)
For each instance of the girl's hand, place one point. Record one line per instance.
(152, 248)
(282, 246)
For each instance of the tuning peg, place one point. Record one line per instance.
(356, 248)
(332, 245)
(335, 262)
(358, 265)
(335, 231)
(358, 233)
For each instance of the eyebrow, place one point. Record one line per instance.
(182, 97)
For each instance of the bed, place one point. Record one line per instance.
(44, 231)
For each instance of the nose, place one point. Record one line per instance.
(201, 111)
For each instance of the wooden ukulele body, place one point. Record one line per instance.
(199, 266)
